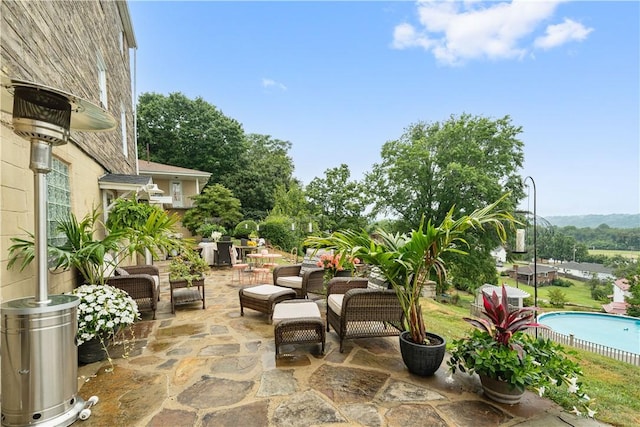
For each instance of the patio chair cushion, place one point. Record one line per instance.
(294, 282)
(297, 309)
(377, 280)
(263, 292)
(121, 272)
(335, 303)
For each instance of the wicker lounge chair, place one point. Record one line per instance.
(357, 312)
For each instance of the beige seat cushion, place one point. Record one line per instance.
(295, 310)
(263, 292)
(294, 282)
(335, 303)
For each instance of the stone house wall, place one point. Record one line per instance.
(57, 44)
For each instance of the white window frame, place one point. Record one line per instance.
(102, 80)
(123, 126)
(177, 197)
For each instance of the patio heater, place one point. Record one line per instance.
(39, 352)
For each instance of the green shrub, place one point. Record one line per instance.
(557, 298)
(206, 229)
(244, 228)
(563, 283)
(277, 230)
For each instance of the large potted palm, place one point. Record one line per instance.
(408, 262)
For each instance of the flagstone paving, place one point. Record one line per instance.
(214, 367)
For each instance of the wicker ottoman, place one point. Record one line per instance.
(263, 297)
(297, 322)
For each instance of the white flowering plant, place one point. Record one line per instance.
(501, 349)
(103, 310)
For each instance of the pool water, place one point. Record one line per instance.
(619, 332)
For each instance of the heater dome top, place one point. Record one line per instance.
(85, 115)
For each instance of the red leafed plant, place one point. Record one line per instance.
(502, 323)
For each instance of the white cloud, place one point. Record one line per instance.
(268, 83)
(560, 34)
(456, 32)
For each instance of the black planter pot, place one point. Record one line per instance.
(91, 351)
(344, 273)
(420, 359)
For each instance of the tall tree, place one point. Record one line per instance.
(264, 166)
(189, 133)
(291, 202)
(338, 203)
(466, 162)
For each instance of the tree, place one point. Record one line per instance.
(189, 133)
(338, 202)
(633, 309)
(215, 205)
(264, 166)
(466, 162)
(290, 201)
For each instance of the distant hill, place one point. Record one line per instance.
(593, 221)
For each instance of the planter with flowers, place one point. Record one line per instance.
(337, 266)
(508, 360)
(103, 311)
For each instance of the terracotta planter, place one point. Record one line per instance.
(500, 391)
(420, 359)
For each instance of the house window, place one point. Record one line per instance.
(176, 194)
(102, 80)
(123, 126)
(58, 199)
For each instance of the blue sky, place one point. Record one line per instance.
(339, 79)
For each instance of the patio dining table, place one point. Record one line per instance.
(260, 258)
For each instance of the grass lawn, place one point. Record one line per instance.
(614, 252)
(578, 294)
(614, 385)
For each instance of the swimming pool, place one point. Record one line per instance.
(619, 332)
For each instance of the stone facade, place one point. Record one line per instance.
(58, 44)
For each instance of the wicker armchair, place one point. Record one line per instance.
(357, 312)
(289, 276)
(151, 270)
(141, 287)
(302, 278)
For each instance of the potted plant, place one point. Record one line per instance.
(95, 257)
(186, 278)
(103, 311)
(508, 359)
(187, 267)
(336, 266)
(408, 262)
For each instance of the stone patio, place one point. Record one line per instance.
(213, 367)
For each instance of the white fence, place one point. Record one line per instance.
(570, 340)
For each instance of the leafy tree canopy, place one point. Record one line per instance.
(188, 133)
(338, 202)
(263, 167)
(215, 205)
(467, 161)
